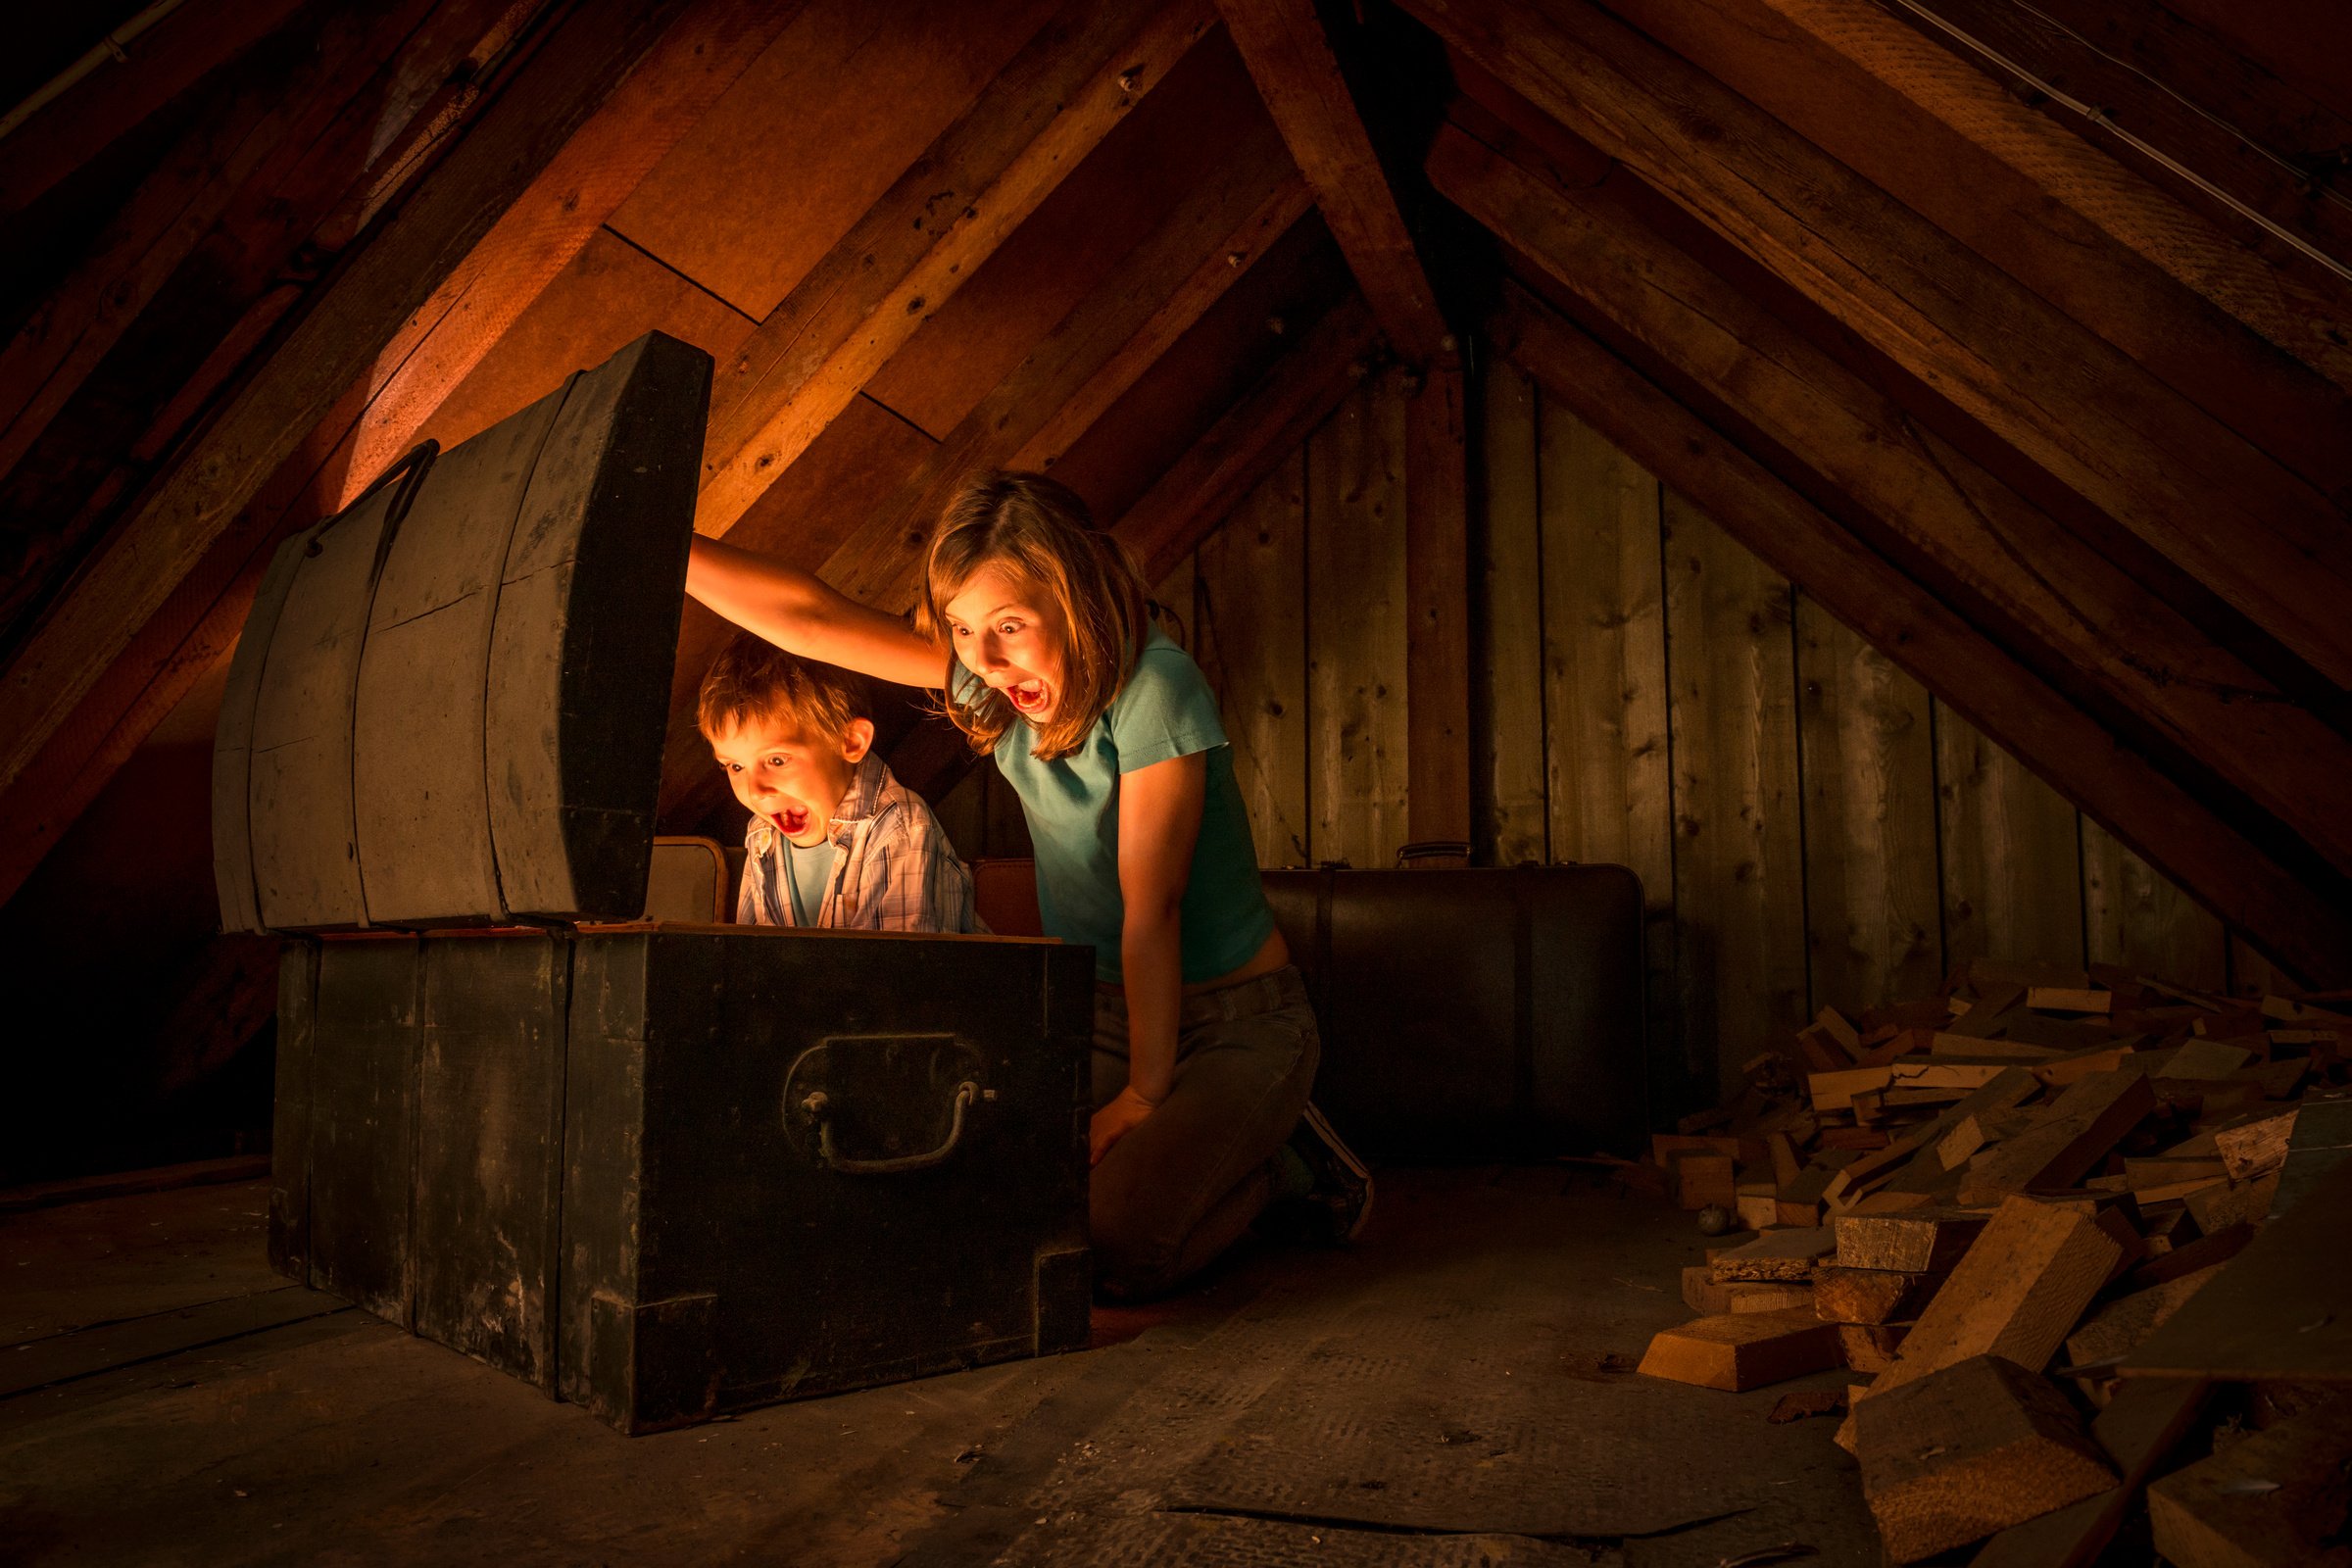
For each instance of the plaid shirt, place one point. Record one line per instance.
(893, 867)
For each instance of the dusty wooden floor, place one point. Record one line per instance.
(1450, 1392)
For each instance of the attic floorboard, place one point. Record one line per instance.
(1437, 1395)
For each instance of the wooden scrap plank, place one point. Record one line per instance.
(1872, 1295)
(2079, 1128)
(1870, 1348)
(2116, 1329)
(1988, 1013)
(2188, 1255)
(1703, 1179)
(2068, 998)
(1743, 1350)
(1925, 1243)
(2219, 1206)
(1788, 1255)
(2015, 1293)
(2282, 1309)
(2322, 1133)
(2142, 1423)
(2206, 1058)
(2271, 1498)
(1710, 1296)
(1979, 1447)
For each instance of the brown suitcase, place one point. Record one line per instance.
(658, 1169)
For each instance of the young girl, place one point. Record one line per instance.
(1035, 623)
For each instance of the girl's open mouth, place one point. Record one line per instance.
(1029, 695)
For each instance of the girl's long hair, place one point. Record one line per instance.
(1037, 529)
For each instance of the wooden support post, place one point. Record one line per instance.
(357, 315)
(2177, 833)
(1283, 45)
(2185, 485)
(1437, 599)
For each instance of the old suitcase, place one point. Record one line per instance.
(658, 1169)
(1473, 1015)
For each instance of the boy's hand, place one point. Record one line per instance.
(1115, 1121)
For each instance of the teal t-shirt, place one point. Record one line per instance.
(806, 872)
(1165, 711)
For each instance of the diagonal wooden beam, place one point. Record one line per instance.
(2307, 931)
(2057, 596)
(1288, 54)
(1180, 267)
(219, 472)
(2087, 233)
(166, 61)
(2307, 322)
(2072, 404)
(695, 60)
(1032, 127)
(1202, 488)
(1163, 287)
(1187, 502)
(1207, 284)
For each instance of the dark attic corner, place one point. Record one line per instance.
(1665, 877)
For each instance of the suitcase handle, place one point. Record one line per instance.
(818, 1109)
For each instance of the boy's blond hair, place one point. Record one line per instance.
(753, 679)
(1040, 528)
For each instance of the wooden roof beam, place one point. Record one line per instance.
(1283, 44)
(2308, 933)
(2088, 233)
(197, 498)
(2188, 487)
(2311, 323)
(1058, 391)
(944, 216)
(2057, 596)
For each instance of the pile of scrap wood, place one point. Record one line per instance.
(2090, 1238)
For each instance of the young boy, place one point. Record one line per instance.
(834, 840)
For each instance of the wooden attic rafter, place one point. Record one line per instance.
(2236, 878)
(2187, 488)
(199, 496)
(1290, 58)
(2030, 195)
(1032, 127)
(681, 74)
(2003, 558)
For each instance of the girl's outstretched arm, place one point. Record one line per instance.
(801, 614)
(1159, 823)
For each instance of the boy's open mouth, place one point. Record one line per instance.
(794, 821)
(1028, 695)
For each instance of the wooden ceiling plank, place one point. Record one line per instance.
(354, 318)
(687, 70)
(1182, 507)
(2308, 322)
(2070, 605)
(250, 146)
(1257, 233)
(1284, 46)
(2004, 208)
(1194, 497)
(165, 62)
(2233, 876)
(2067, 401)
(2235, 130)
(1061, 371)
(1033, 126)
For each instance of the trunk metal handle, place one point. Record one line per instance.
(818, 1109)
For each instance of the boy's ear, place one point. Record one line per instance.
(857, 740)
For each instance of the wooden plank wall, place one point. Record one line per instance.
(1810, 826)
